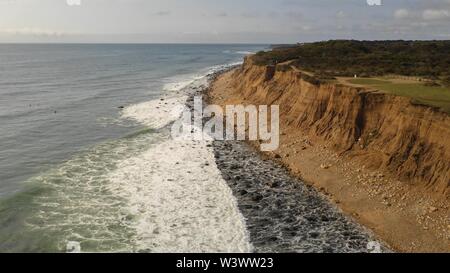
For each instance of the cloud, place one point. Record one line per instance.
(402, 14)
(436, 14)
(282, 20)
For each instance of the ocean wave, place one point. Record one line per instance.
(218, 68)
(156, 113)
(180, 201)
(72, 203)
(183, 82)
(240, 52)
(159, 113)
(245, 52)
(143, 193)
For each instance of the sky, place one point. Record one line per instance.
(221, 21)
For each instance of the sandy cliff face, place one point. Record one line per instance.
(382, 131)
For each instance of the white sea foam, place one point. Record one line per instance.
(180, 201)
(175, 191)
(182, 82)
(218, 68)
(159, 113)
(156, 113)
(241, 52)
(245, 52)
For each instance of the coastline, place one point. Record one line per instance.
(406, 218)
(282, 214)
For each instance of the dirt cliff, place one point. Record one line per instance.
(384, 132)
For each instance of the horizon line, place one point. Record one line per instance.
(135, 43)
(207, 43)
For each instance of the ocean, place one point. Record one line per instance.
(86, 158)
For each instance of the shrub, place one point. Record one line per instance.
(429, 59)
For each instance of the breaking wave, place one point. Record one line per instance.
(142, 193)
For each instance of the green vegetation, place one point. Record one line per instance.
(430, 59)
(369, 59)
(434, 96)
(368, 81)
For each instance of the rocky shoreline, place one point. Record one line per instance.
(404, 215)
(282, 213)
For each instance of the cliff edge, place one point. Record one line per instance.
(384, 132)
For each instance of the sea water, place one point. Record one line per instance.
(86, 158)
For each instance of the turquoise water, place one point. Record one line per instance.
(62, 134)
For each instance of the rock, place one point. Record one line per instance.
(274, 184)
(234, 167)
(325, 166)
(73, 247)
(282, 209)
(121, 107)
(257, 197)
(277, 156)
(432, 209)
(243, 192)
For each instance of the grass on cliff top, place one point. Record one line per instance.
(434, 96)
(373, 60)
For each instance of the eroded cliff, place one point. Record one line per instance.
(384, 132)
